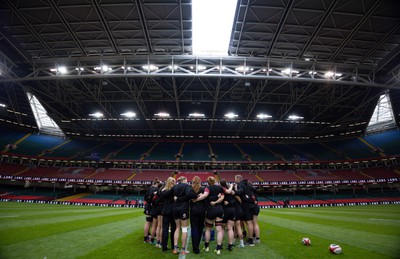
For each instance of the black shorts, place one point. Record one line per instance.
(181, 214)
(257, 210)
(250, 210)
(153, 212)
(147, 210)
(159, 210)
(229, 213)
(239, 212)
(214, 212)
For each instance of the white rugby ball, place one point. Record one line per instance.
(306, 241)
(335, 249)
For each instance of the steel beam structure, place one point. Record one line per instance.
(190, 66)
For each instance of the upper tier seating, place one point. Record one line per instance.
(195, 152)
(227, 152)
(388, 142)
(45, 146)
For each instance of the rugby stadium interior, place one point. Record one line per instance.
(100, 97)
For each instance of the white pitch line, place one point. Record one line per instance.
(9, 216)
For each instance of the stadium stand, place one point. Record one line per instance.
(257, 152)
(193, 151)
(36, 145)
(388, 141)
(279, 175)
(150, 175)
(350, 148)
(353, 174)
(36, 167)
(165, 151)
(227, 152)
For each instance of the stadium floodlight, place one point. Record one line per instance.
(62, 70)
(174, 67)
(243, 69)
(162, 114)
(129, 114)
(231, 115)
(150, 67)
(103, 68)
(295, 117)
(332, 74)
(212, 26)
(201, 67)
(263, 116)
(288, 71)
(2, 105)
(196, 115)
(126, 68)
(96, 114)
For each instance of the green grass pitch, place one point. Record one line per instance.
(40, 231)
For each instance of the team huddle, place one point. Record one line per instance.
(229, 207)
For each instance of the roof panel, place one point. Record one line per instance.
(126, 35)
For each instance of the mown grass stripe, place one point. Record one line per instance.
(344, 217)
(13, 235)
(30, 221)
(70, 244)
(132, 246)
(374, 226)
(379, 212)
(281, 233)
(388, 244)
(288, 241)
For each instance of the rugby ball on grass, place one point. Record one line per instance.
(335, 249)
(306, 241)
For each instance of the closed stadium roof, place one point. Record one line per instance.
(325, 61)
